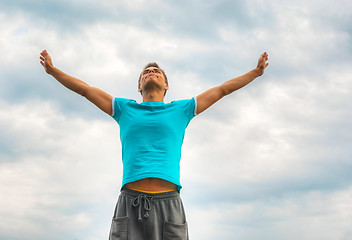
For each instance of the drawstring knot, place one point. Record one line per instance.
(138, 202)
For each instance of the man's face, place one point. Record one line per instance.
(152, 77)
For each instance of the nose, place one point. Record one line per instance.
(150, 70)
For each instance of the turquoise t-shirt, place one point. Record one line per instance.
(151, 136)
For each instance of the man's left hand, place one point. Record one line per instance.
(262, 64)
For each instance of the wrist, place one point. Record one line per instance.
(258, 71)
(50, 70)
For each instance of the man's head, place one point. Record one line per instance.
(151, 76)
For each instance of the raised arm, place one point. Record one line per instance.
(211, 96)
(98, 97)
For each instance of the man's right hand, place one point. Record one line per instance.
(46, 61)
(98, 97)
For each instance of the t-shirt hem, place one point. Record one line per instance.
(113, 107)
(195, 106)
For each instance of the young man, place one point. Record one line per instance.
(151, 132)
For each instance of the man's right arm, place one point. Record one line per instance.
(98, 97)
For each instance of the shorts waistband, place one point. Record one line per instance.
(159, 196)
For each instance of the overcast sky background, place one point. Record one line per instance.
(271, 161)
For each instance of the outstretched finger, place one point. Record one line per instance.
(44, 53)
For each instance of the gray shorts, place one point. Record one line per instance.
(149, 216)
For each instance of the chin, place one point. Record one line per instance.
(151, 85)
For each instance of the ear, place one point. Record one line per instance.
(139, 86)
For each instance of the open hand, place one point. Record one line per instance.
(46, 61)
(262, 64)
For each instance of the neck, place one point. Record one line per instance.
(153, 96)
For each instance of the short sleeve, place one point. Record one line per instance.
(117, 107)
(189, 107)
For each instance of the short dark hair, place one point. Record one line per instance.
(153, 64)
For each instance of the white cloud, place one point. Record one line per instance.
(314, 215)
(58, 164)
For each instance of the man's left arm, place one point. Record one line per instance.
(211, 96)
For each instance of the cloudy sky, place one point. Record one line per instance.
(271, 161)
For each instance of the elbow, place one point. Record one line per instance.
(84, 91)
(83, 94)
(225, 90)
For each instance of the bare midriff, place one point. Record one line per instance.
(152, 184)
